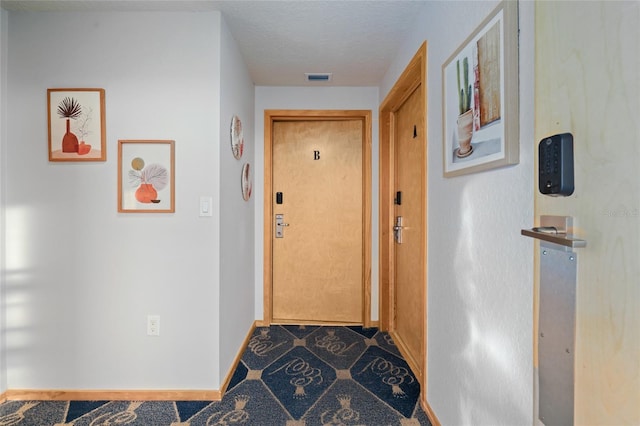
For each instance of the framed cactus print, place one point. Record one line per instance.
(77, 129)
(146, 178)
(480, 97)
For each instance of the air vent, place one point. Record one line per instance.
(321, 77)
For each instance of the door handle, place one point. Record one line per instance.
(397, 230)
(280, 226)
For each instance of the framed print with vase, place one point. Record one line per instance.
(480, 97)
(146, 178)
(76, 119)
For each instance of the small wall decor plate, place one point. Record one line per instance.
(237, 138)
(246, 181)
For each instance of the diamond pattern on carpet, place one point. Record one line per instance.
(250, 403)
(266, 345)
(288, 375)
(188, 409)
(298, 379)
(346, 404)
(300, 331)
(386, 342)
(388, 377)
(80, 408)
(366, 332)
(338, 346)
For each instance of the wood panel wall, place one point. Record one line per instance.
(587, 82)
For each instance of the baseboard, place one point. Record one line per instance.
(429, 411)
(367, 324)
(236, 361)
(414, 365)
(128, 395)
(112, 395)
(371, 324)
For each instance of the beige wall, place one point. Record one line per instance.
(587, 82)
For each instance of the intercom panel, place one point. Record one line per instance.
(555, 172)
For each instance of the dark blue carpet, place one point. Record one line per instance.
(288, 375)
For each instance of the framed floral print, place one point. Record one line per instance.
(146, 178)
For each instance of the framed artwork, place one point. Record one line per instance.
(246, 182)
(480, 97)
(146, 178)
(76, 119)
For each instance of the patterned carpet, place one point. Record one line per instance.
(288, 375)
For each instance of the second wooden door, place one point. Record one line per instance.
(317, 183)
(409, 316)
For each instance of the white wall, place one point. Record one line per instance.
(3, 88)
(314, 98)
(480, 279)
(81, 278)
(236, 215)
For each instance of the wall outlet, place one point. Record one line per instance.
(153, 325)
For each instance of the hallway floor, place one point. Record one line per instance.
(288, 375)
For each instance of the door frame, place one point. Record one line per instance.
(413, 77)
(271, 116)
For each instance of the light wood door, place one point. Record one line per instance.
(587, 83)
(318, 263)
(408, 322)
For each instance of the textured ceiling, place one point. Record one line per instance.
(355, 40)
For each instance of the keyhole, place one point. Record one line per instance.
(415, 131)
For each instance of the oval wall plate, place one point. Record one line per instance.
(237, 137)
(246, 182)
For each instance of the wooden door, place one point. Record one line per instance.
(317, 167)
(587, 84)
(403, 167)
(409, 290)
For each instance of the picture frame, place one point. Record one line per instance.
(146, 177)
(76, 123)
(480, 101)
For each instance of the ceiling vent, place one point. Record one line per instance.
(318, 77)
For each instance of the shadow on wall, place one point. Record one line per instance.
(484, 353)
(19, 325)
(19, 318)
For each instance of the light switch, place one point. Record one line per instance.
(206, 206)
